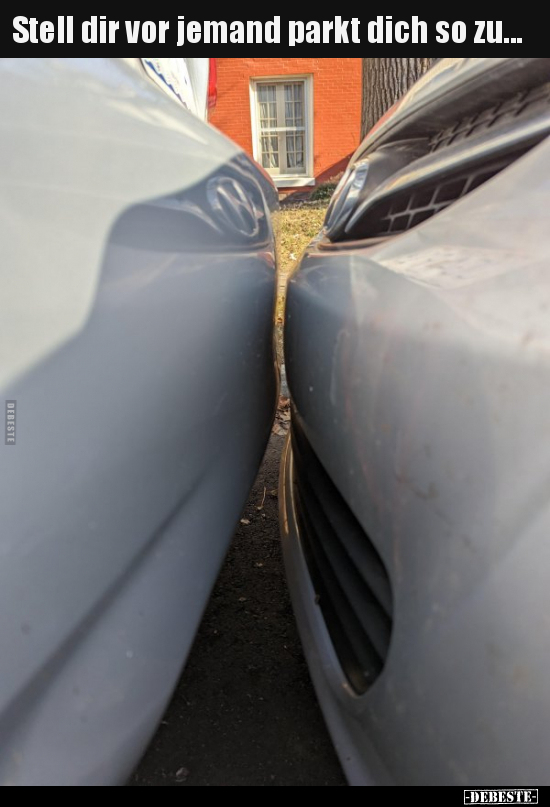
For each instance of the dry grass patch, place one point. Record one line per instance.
(298, 225)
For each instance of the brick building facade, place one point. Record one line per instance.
(300, 118)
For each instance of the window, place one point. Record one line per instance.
(282, 128)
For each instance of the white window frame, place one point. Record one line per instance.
(286, 180)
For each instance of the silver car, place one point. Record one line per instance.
(138, 386)
(415, 504)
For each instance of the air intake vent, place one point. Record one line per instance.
(350, 579)
(523, 104)
(432, 158)
(405, 210)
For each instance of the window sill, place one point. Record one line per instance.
(294, 182)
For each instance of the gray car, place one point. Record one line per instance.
(415, 505)
(139, 386)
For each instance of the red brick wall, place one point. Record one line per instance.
(336, 104)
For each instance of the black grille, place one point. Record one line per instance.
(411, 207)
(396, 201)
(522, 104)
(351, 582)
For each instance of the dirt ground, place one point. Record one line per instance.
(245, 713)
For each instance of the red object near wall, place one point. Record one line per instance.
(336, 103)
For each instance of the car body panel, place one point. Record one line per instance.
(418, 368)
(183, 80)
(136, 337)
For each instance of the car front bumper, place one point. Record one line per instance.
(342, 708)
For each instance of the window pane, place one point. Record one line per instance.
(289, 104)
(294, 104)
(267, 102)
(290, 151)
(270, 152)
(281, 126)
(275, 151)
(267, 92)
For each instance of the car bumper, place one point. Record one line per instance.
(342, 708)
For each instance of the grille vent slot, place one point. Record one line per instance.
(408, 209)
(522, 104)
(447, 161)
(349, 576)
